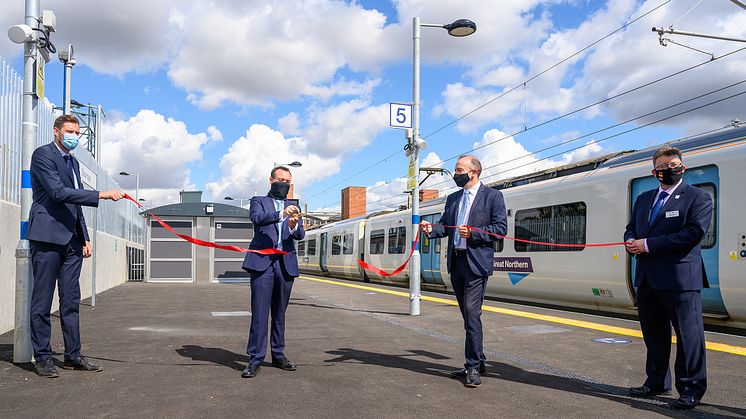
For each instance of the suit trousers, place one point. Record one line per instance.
(659, 310)
(52, 263)
(469, 289)
(270, 292)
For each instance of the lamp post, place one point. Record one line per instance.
(459, 28)
(137, 183)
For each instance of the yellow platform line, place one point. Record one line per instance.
(713, 346)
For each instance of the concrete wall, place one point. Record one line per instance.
(111, 264)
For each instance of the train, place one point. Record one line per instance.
(586, 202)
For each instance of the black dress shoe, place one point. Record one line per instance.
(462, 371)
(284, 364)
(46, 369)
(81, 364)
(646, 391)
(251, 371)
(472, 378)
(685, 403)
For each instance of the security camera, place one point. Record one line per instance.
(420, 143)
(67, 57)
(20, 33)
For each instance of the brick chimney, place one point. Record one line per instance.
(428, 194)
(353, 202)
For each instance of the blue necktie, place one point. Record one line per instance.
(658, 205)
(69, 164)
(461, 215)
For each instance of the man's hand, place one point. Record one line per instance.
(87, 250)
(426, 227)
(635, 247)
(464, 232)
(289, 211)
(114, 195)
(292, 222)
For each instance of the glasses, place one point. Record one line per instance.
(665, 166)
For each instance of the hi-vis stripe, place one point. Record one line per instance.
(713, 346)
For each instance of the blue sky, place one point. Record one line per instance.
(208, 94)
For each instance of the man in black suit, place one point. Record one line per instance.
(470, 253)
(58, 238)
(276, 225)
(664, 233)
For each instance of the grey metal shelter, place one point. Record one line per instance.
(171, 259)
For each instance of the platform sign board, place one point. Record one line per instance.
(39, 80)
(400, 115)
(88, 177)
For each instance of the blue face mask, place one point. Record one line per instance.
(70, 141)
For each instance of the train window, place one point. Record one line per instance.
(556, 224)
(311, 247)
(710, 238)
(301, 248)
(336, 245)
(437, 245)
(348, 244)
(498, 245)
(425, 241)
(377, 238)
(397, 240)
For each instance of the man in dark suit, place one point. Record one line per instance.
(470, 253)
(58, 238)
(664, 233)
(276, 225)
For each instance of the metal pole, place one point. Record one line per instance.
(661, 31)
(66, 92)
(95, 210)
(414, 283)
(137, 187)
(22, 349)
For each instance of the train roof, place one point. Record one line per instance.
(683, 144)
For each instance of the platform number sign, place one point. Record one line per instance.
(400, 115)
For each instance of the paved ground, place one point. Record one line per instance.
(166, 354)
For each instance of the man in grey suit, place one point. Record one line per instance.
(470, 253)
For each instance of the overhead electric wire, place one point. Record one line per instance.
(502, 94)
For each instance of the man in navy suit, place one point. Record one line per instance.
(58, 238)
(470, 253)
(276, 225)
(664, 233)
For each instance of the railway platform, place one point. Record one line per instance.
(171, 350)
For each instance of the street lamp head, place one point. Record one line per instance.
(229, 198)
(461, 27)
(124, 174)
(295, 164)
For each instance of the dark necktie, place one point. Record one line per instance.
(69, 164)
(658, 206)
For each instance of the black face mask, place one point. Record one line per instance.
(461, 179)
(670, 176)
(279, 190)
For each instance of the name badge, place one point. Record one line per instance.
(672, 214)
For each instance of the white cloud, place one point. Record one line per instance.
(345, 127)
(289, 124)
(214, 133)
(155, 147)
(245, 168)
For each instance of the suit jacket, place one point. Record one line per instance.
(265, 217)
(674, 260)
(487, 213)
(56, 214)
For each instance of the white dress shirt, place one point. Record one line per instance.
(472, 195)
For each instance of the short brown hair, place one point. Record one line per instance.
(666, 151)
(63, 119)
(274, 171)
(475, 163)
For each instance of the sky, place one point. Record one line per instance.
(209, 95)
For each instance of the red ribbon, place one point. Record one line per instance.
(417, 238)
(199, 242)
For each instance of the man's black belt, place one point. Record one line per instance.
(459, 252)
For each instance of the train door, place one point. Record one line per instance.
(322, 253)
(430, 251)
(707, 179)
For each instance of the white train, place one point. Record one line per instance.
(589, 202)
